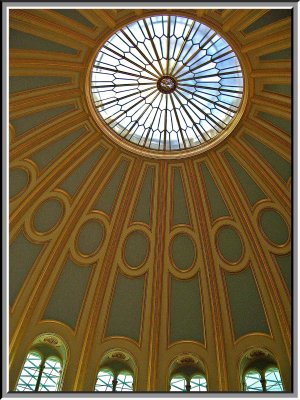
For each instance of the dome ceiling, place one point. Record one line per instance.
(111, 248)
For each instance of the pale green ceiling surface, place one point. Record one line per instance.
(48, 215)
(274, 227)
(48, 154)
(143, 207)
(75, 179)
(281, 123)
(230, 244)
(90, 237)
(285, 54)
(285, 264)
(21, 83)
(251, 189)
(279, 89)
(26, 41)
(180, 209)
(216, 202)
(279, 164)
(246, 308)
(186, 322)
(183, 251)
(22, 256)
(68, 294)
(136, 248)
(75, 15)
(34, 119)
(108, 195)
(18, 179)
(126, 308)
(268, 18)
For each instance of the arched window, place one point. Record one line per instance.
(108, 382)
(116, 373)
(260, 373)
(273, 380)
(178, 384)
(39, 374)
(198, 383)
(104, 381)
(253, 381)
(125, 382)
(43, 366)
(187, 375)
(30, 372)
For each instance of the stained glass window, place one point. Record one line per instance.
(104, 381)
(167, 83)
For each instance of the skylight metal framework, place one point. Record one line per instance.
(167, 83)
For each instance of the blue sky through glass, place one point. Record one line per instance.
(206, 95)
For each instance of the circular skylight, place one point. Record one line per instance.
(167, 83)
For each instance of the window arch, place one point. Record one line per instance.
(43, 366)
(187, 375)
(260, 373)
(116, 373)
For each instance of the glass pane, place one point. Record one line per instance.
(104, 381)
(252, 382)
(125, 382)
(198, 384)
(30, 373)
(51, 375)
(273, 380)
(178, 384)
(167, 83)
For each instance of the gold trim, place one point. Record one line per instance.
(283, 245)
(101, 241)
(59, 220)
(243, 252)
(148, 249)
(170, 252)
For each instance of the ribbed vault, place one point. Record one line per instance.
(111, 249)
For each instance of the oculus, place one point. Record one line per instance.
(167, 84)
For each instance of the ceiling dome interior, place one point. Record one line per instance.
(174, 261)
